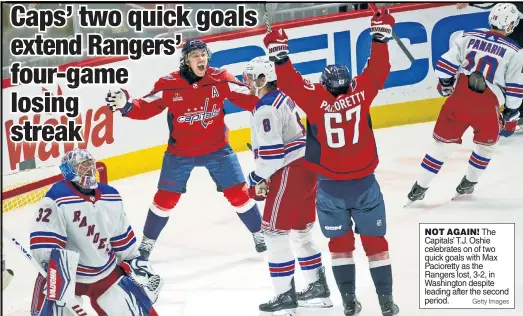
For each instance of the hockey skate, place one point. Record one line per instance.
(351, 305)
(146, 246)
(417, 193)
(259, 242)
(317, 294)
(388, 308)
(464, 187)
(284, 304)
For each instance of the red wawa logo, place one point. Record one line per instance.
(97, 129)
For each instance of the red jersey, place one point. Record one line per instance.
(195, 111)
(340, 140)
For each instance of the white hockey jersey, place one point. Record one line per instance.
(94, 226)
(499, 58)
(277, 133)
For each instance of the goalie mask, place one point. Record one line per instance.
(79, 166)
(504, 17)
(259, 66)
(336, 79)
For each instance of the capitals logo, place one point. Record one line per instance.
(203, 115)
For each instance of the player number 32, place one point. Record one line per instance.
(339, 140)
(43, 215)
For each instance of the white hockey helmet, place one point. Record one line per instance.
(504, 16)
(257, 67)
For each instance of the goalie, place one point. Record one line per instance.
(82, 237)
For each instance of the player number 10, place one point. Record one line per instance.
(339, 131)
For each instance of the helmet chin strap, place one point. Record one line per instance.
(513, 26)
(257, 92)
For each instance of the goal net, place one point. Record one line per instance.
(28, 187)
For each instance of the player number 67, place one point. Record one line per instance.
(339, 131)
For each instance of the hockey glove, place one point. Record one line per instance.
(510, 122)
(142, 274)
(277, 43)
(119, 100)
(259, 187)
(381, 26)
(446, 86)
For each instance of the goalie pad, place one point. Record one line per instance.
(55, 308)
(61, 275)
(126, 298)
(60, 284)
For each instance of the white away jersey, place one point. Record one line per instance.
(96, 227)
(277, 134)
(499, 58)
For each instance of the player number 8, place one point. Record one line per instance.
(339, 131)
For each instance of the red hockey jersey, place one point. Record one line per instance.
(195, 111)
(340, 140)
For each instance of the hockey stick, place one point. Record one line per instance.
(266, 17)
(72, 304)
(266, 7)
(396, 38)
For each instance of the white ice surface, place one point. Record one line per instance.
(207, 259)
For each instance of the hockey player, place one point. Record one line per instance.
(193, 97)
(280, 177)
(342, 149)
(516, 35)
(79, 215)
(480, 72)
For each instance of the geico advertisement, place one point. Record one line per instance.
(427, 33)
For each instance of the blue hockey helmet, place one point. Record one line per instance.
(190, 46)
(79, 166)
(336, 79)
(193, 44)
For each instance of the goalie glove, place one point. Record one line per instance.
(277, 43)
(381, 26)
(119, 100)
(142, 274)
(510, 121)
(259, 187)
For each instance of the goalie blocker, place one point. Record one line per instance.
(117, 294)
